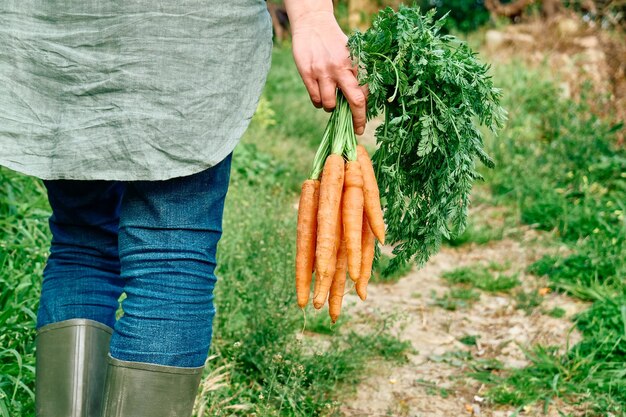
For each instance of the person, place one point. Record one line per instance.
(129, 112)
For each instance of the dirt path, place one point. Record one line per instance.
(432, 383)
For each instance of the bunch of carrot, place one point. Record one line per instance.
(339, 217)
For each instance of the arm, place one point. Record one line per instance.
(322, 57)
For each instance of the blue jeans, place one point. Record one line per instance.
(153, 240)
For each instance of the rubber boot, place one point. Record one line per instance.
(136, 389)
(71, 368)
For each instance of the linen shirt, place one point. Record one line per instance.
(128, 89)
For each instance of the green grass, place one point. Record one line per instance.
(465, 281)
(457, 299)
(272, 372)
(319, 322)
(23, 251)
(476, 233)
(528, 301)
(556, 312)
(469, 340)
(481, 277)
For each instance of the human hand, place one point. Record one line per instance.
(322, 57)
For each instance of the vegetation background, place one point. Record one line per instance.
(561, 172)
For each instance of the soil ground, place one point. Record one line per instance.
(415, 388)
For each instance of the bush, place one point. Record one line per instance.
(464, 15)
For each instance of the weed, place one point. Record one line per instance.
(480, 277)
(457, 358)
(478, 234)
(498, 267)
(432, 388)
(457, 299)
(469, 340)
(556, 312)
(528, 301)
(575, 272)
(319, 322)
(384, 345)
(501, 283)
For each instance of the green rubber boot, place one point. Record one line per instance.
(135, 389)
(71, 368)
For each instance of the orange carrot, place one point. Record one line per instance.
(322, 297)
(372, 195)
(327, 222)
(352, 214)
(339, 283)
(367, 259)
(306, 239)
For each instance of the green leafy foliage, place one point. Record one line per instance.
(434, 94)
(254, 165)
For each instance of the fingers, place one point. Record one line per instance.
(314, 91)
(357, 100)
(328, 90)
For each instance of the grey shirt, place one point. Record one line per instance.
(128, 89)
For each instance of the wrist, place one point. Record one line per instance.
(308, 12)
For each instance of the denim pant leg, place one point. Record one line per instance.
(81, 278)
(168, 237)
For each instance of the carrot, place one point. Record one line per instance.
(339, 283)
(322, 297)
(367, 259)
(352, 214)
(372, 195)
(327, 222)
(306, 237)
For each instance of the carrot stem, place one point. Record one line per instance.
(338, 138)
(323, 150)
(344, 142)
